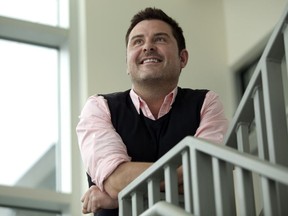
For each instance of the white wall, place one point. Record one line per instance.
(249, 23)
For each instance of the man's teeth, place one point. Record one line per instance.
(150, 60)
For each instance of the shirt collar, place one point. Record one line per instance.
(137, 100)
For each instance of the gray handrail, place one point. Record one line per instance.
(163, 208)
(204, 157)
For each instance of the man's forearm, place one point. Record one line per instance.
(126, 173)
(122, 176)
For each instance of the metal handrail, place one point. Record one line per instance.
(163, 208)
(202, 155)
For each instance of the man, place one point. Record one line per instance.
(122, 134)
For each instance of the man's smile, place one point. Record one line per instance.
(150, 60)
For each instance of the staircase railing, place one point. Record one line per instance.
(229, 180)
(208, 181)
(262, 111)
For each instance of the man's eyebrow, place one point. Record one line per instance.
(155, 35)
(136, 36)
(162, 34)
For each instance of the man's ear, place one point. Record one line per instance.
(184, 57)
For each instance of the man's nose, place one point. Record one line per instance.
(149, 47)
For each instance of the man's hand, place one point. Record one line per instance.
(94, 200)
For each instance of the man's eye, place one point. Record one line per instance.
(160, 39)
(137, 42)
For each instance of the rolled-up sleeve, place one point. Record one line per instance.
(101, 147)
(213, 125)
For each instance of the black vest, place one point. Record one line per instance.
(147, 140)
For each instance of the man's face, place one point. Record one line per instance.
(153, 55)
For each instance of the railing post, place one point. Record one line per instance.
(171, 184)
(137, 203)
(245, 191)
(223, 186)
(153, 191)
(270, 201)
(260, 123)
(202, 182)
(244, 180)
(242, 132)
(277, 133)
(285, 35)
(125, 206)
(187, 181)
(275, 113)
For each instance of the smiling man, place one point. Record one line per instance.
(154, 62)
(121, 134)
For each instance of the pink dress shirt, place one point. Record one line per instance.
(102, 149)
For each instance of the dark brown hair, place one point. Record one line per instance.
(157, 14)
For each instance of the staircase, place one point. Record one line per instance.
(246, 176)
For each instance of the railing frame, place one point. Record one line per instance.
(219, 160)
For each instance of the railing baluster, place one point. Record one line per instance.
(187, 181)
(270, 201)
(218, 187)
(245, 191)
(242, 132)
(223, 186)
(171, 184)
(153, 191)
(125, 206)
(285, 35)
(260, 124)
(137, 203)
(202, 182)
(275, 112)
(276, 122)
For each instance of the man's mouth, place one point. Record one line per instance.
(150, 60)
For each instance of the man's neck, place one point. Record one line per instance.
(154, 97)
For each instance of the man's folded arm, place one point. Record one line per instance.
(124, 174)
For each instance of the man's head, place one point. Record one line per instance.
(157, 14)
(156, 51)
